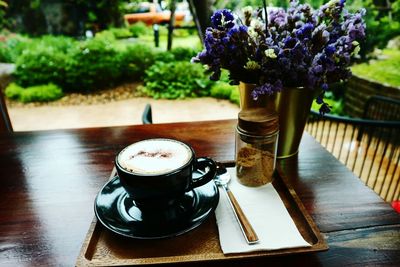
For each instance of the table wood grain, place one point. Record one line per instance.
(50, 179)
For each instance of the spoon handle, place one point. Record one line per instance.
(247, 229)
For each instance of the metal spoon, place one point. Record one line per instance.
(222, 179)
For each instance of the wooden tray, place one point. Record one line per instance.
(102, 247)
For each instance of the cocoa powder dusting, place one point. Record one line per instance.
(159, 154)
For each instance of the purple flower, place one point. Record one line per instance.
(296, 47)
(277, 18)
(222, 19)
(289, 42)
(266, 88)
(305, 31)
(329, 50)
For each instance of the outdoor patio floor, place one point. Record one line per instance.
(122, 112)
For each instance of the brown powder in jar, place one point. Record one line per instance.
(254, 167)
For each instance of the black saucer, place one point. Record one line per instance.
(118, 213)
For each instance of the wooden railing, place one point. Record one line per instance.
(369, 148)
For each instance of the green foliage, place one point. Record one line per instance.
(235, 97)
(13, 91)
(5, 54)
(93, 64)
(39, 93)
(41, 65)
(139, 28)
(3, 7)
(121, 33)
(43, 61)
(183, 53)
(117, 33)
(58, 43)
(380, 26)
(337, 106)
(135, 60)
(75, 66)
(222, 90)
(75, 17)
(106, 35)
(164, 56)
(12, 46)
(176, 80)
(384, 70)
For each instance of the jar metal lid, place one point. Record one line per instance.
(258, 121)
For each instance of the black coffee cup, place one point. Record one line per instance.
(160, 171)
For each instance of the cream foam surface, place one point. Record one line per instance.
(157, 156)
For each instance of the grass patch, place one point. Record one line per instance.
(191, 41)
(384, 71)
(39, 93)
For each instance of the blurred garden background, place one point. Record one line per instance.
(81, 58)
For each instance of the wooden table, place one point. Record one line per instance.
(49, 181)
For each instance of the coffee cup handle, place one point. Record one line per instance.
(202, 163)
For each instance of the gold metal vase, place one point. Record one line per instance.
(247, 101)
(293, 105)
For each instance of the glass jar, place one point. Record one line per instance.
(256, 146)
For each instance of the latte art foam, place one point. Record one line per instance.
(155, 156)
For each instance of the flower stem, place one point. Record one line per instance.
(266, 15)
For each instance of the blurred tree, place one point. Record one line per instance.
(202, 11)
(3, 21)
(70, 17)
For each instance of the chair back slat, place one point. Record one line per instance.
(369, 148)
(382, 108)
(5, 122)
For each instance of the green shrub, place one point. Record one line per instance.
(115, 33)
(44, 60)
(106, 35)
(183, 32)
(40, 65)
(176, 80)
(183, 53)
(39, 93)
(4, 53)
(94, 64)
(121, 33)
(164, 56)
(222, 90)
(135, 60)
(235, 97)
(12, 47)
(13, 91)
(58, 43)
(139, 28)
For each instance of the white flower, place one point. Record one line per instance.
(270, 53)
(256, 25)
(252, 65)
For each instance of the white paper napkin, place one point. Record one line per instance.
(267, 214)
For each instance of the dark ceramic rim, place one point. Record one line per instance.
(209, 202)
(171, 173)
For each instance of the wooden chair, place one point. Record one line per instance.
(382, 108)
(5, 122)
(370, 148)
(147, 117)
